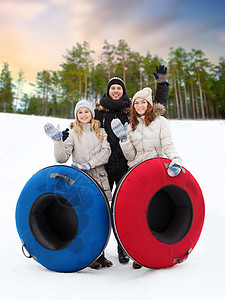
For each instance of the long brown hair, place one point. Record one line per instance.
(134, 116)
(95, 127)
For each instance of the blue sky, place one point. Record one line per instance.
(35, 34)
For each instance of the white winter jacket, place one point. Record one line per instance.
(91, 150)
(150, 141)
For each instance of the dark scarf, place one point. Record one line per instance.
(110, 104)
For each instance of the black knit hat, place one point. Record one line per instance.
(116, 80)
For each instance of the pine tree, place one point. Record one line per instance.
(6, 90)
(19, 86)
(108, 56)
(87, 60)
(44, 85)
(134, 71)
(123, 52)
(75, 72)
(55, 90)
(98, 79)
(219, 87)
(200, 64)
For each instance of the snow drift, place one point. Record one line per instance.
(25, 149)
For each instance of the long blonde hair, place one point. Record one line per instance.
(78, 128)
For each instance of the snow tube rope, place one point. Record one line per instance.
(24, 251)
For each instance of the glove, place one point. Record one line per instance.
(54, 133)
(119, 129)
(160, 74)
(175, 167)
(176, 162)
(65, 134)
(83, 167)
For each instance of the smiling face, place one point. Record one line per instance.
(115, 91)
(140, 105)
(84, 115)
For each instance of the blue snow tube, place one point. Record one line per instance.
(63, 218)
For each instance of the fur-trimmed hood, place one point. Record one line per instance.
(99, 107)
(158, 110)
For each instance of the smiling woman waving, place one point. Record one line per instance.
(88, 146)
(147, 135)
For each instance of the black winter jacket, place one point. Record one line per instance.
(117, 163)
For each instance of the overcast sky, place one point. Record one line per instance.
(35, 34)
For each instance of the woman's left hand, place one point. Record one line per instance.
(176, 162)
(175, 167)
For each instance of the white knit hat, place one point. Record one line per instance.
(146, 94)
(86, 104)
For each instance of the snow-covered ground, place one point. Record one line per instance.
(25, 149)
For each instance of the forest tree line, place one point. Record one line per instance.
(197, 87)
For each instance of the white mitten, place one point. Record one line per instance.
(54, 133)
(119, 129)
(175, 167)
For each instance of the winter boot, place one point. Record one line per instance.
(123, 257)
(94, 265)
(136, 265)
(104, 262)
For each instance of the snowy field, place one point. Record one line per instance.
(25, 149)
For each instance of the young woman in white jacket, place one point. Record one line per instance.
(88, 146)
(147, 135)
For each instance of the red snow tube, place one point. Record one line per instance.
(157, 218)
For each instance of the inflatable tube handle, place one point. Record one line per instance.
(68, 179)
(183, 258)
(24, 253)
(167, 166)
